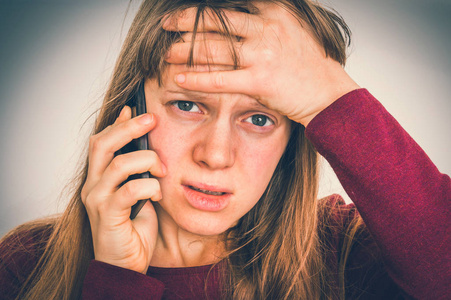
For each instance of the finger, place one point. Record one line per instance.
(103, 146)
(122, 166)
(204, 52)
(237, 81)
(188, 36)
(135, 190)
(238, 23)
(124, 115)
(144, 223)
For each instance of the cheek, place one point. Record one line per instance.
(260, 162)
(260, 165)
(172, 151)
(168, 142)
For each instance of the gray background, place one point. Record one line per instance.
(56, 58)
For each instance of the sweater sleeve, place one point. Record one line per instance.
(105, 281)
(401, 195)
(17, 260)
(20, 252)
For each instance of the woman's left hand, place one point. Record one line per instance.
(280, 63)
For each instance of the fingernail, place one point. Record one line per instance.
(180, 78)
(166, 21)
(145, 119)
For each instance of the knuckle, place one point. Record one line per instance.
(134, 127)
(218, 80)
(102, 208)
(90, 202)
(213, 49)
(268, 56)
(93, 142)
(260, 78)
(128, 190)
(118, 163)
(96, 202)
(277, 28)
(96, 143)
(130, 126)
(179, 50)
(84, 195)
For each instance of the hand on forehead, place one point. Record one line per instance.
(172, 70)
(238, 23)
(169, 82)
(275, 58)
(220, 35)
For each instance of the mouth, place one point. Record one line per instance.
(208, 192)
(206, 197)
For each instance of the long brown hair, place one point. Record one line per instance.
(275, 251)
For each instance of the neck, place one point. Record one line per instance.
(178, 248)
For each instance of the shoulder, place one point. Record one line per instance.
(343, 231)
(20, 251)
(335, 220)
(334, 211)
(342, 228)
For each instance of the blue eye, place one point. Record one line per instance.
(187, 106)
(259, 120)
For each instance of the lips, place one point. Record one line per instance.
(206, 197)
(207, 188)
(208, 192)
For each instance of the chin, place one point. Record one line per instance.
(198, 222)
(205, 226)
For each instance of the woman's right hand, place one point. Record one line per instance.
(117, 239)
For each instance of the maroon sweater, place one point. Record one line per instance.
(402, 197)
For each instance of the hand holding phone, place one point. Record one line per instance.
(108, 196)
(138, 105)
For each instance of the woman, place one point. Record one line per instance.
(234, 212)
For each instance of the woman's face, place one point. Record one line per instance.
(220, 151)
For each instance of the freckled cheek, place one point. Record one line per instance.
(168, 141)
(260, 163)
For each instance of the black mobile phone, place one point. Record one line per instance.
(138, 104)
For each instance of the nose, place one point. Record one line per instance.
(215, 146)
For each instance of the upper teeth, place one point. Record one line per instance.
(207, 191)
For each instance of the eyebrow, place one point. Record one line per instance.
(194, 95)
(188, 93)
